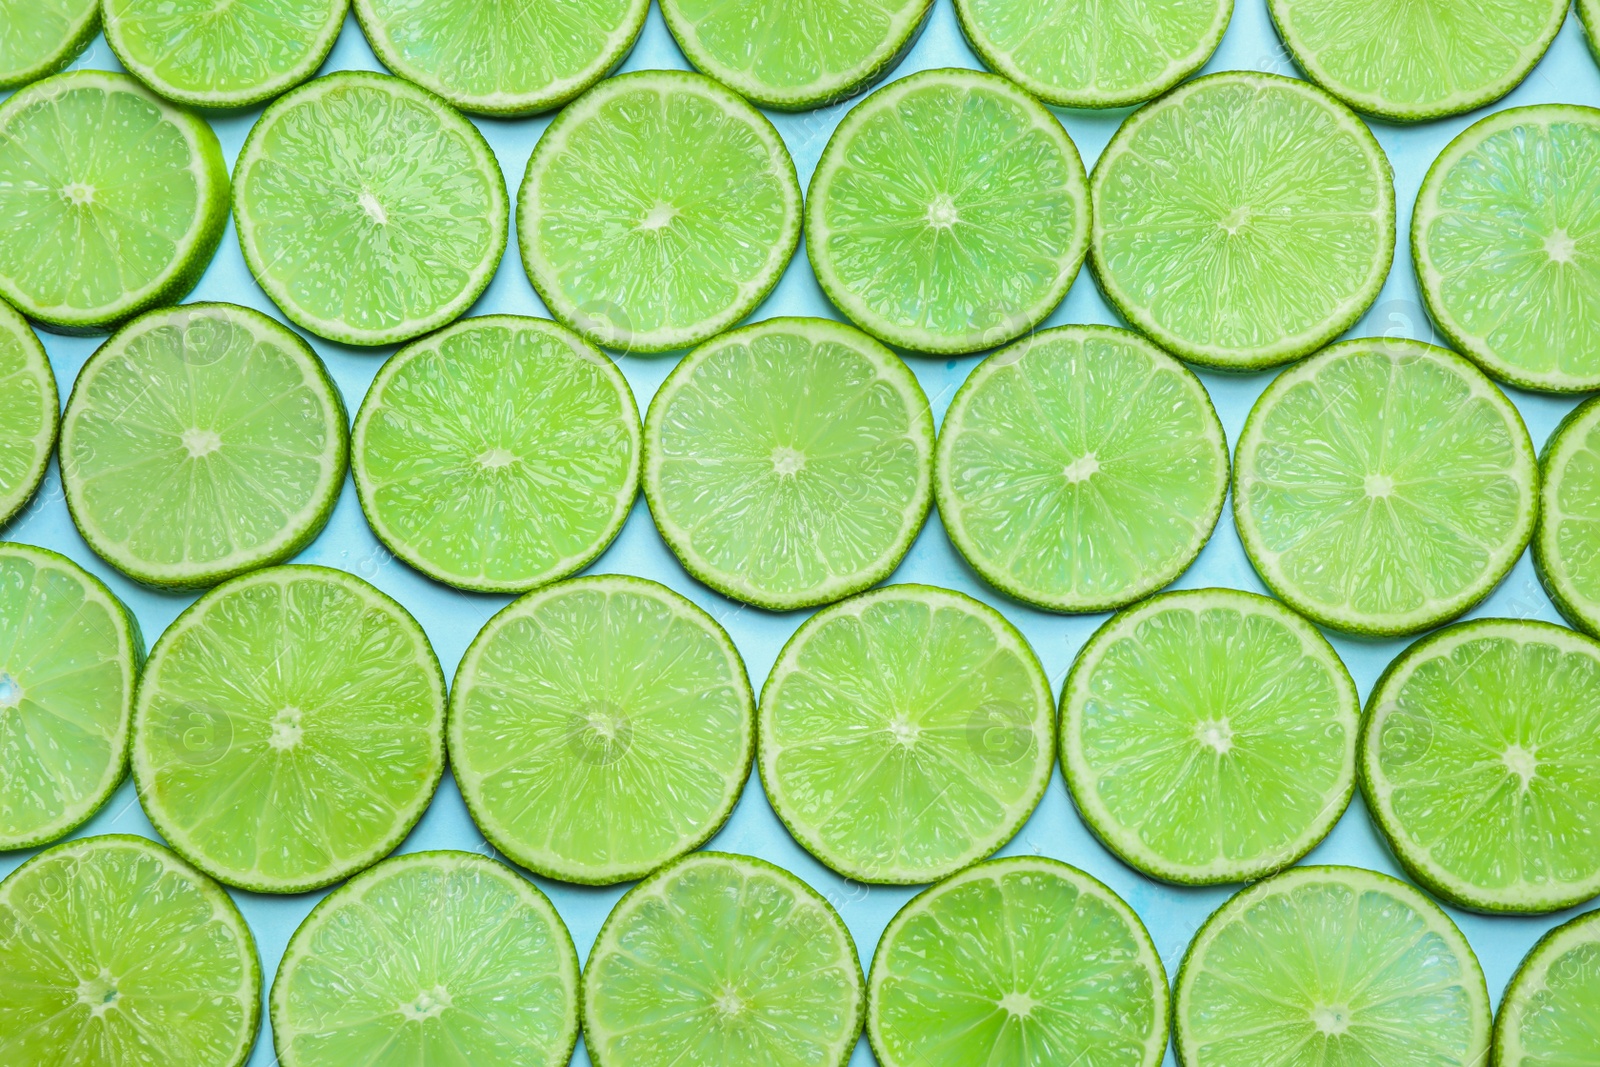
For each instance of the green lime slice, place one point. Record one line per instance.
(33, 413)
(1413, 60)
(368, 209)
(905, 734)
(1548, 1015)
(1209, 736)
(949, 212)
(127, 226)
(39, 37)
(1017, 961)
(69, 656)
(428, 958)
(1384, 487)
(1330, 965)
(116, 953)
(601, 728)
(721, 960)
(289, 729)
(1243, 220)
(1477, 762)
(1567, 541)
(1589, 15)
(795, 57)
(1507, 248)
(657, 211)
(1081, 53)
(200, 442)
(789, 464)
(1081, 469)
(497, 455)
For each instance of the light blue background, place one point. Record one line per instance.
(1567, 73)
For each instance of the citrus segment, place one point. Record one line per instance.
(1551, 1011)
(1566, 545)
(33, 413)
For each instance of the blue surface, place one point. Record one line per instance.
(1567, 74)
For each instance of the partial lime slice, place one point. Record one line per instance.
(370, 210)
(39, 37)
(200, 442)
(905, 734)
(789, 464)
(1413, 60)
(1550, 1014)
(1566, 545)
(33, 413)
(657, 211)
(601, 728)
(722, 960)
(116, 953)
(1330, 965)
(1082, 53)
(1384, 487)
(1589, 14)
(1081, 469)
(289, 729)
(497, 455)
(111, 200)
(429, 958)
(1016, 962)
(949, 212)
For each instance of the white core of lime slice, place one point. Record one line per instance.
(39, 37)
(601, 728)
(116, 953)
(1081, 469)
(1384, 487)
(1022, 960)
(497, 455)
(1566, 545)
(1548, 1014)
(789, 464)
(33, 413)
(949, 212)
(721, 960)
(429, 958)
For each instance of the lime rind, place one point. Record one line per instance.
(1571, 452)
(17, 486)
(1589, 15)
(1540, 995)
(77, 30)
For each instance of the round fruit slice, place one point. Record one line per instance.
(1507, 246)
(1384, 487)
(90, 238)
(1549, 1012)
(601, 728)
(906, 734)
(1017, 961)
(200, 442)
(368, 209)
(115, 953)
(69, 655)
(789, 464)
(33, 412)
(1330, 965)
(433, 957)
(949, 212)
(289, 729)
(1567, 541)
(1081, 53)
(719, 960)
(1589, 14)
(497, 455)
(1081, 469)
(39, 37)
(1243, 220)
(1410, 61)
(657, 211)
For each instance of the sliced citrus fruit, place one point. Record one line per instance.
(39, 37)
(1589, 15)
(1566, 545)
(1551, 1011)
(33, 413)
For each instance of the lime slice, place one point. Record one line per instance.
(1413, 60)
(1384, 487)
(927, 234)
(1550, 1011)
(1330, 965)
(1477, 762)
(1589, 15)
(905, 734)
(497, 455)
(1017, 961)
(289, 729)
(116, 953)
(39, 37)
(600, 728)
(657, 211)
(368, 209)
(200, 442)
(721, 960)
(90, 238)
(789, 464)
(1081, 469)
(69, 655)
(795, 57)
(429, 958)
(33, 412)
(1082, 53)
(1567, 541)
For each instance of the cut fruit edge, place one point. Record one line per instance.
(72, 45)
(1530, 980)
(36, 363)
(1553, 572)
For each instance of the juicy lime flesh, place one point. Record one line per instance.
(28, 397)
(36, 35)
(1571, 536)
(1557, 1017)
